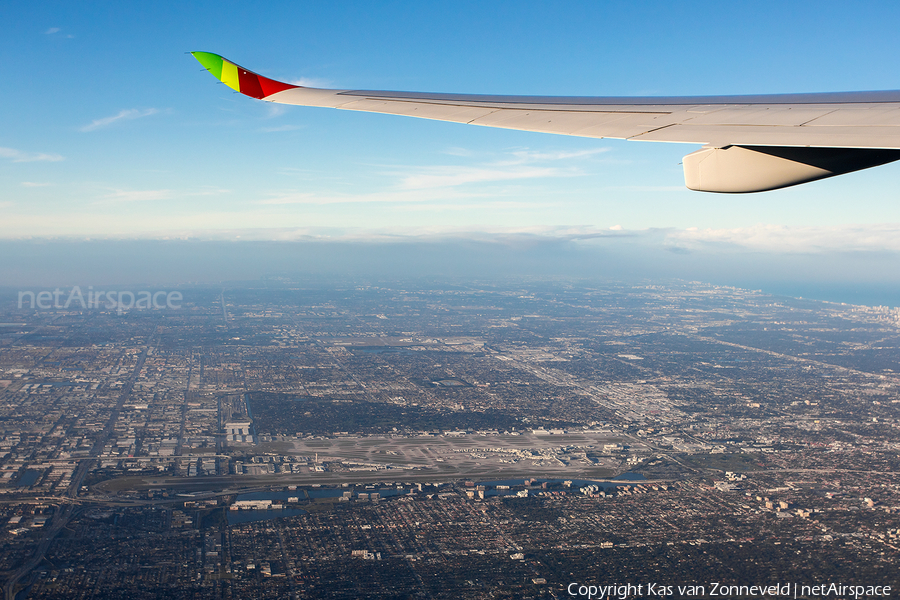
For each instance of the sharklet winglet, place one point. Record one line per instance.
(240, 79)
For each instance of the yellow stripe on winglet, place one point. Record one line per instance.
(230, 75)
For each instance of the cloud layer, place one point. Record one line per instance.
(21, 156)
(123, 115)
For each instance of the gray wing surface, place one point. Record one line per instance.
(849, 120)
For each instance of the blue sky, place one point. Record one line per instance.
(110, 130)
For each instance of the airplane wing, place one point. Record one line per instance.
(750, 143)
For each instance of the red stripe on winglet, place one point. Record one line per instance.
(249, 83)
(270, 86)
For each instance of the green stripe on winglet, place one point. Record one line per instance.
(212, 62)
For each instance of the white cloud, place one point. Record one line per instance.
(748, 244)
(504, 205)
(294, 198)
(20, 156)
(52, 30)
(517, 164)
(119, 195)
(531, 155)
(310, 82)
(456, 151)
(207, 191)
(446, 183)
(275, 110)
(451, 176)
(197, 227)
(281, 128)
(402, 196)
(647, 188)
(521, 156)
(780, 238)
(138, 195)
(122, 115)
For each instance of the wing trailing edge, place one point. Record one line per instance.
(751, 143)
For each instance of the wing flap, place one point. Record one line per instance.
(764, 135)
(752, 115)
(877, 117)
(583, 124)
(423, 110)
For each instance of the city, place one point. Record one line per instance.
(463, 439)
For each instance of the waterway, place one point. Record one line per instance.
(626, 479)
(304, 494)
(630, 477)
(382, 349)
(311, 494)
(866, 294)
(235, 517)
(29, 478)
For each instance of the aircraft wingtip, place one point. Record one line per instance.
(238, 78)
